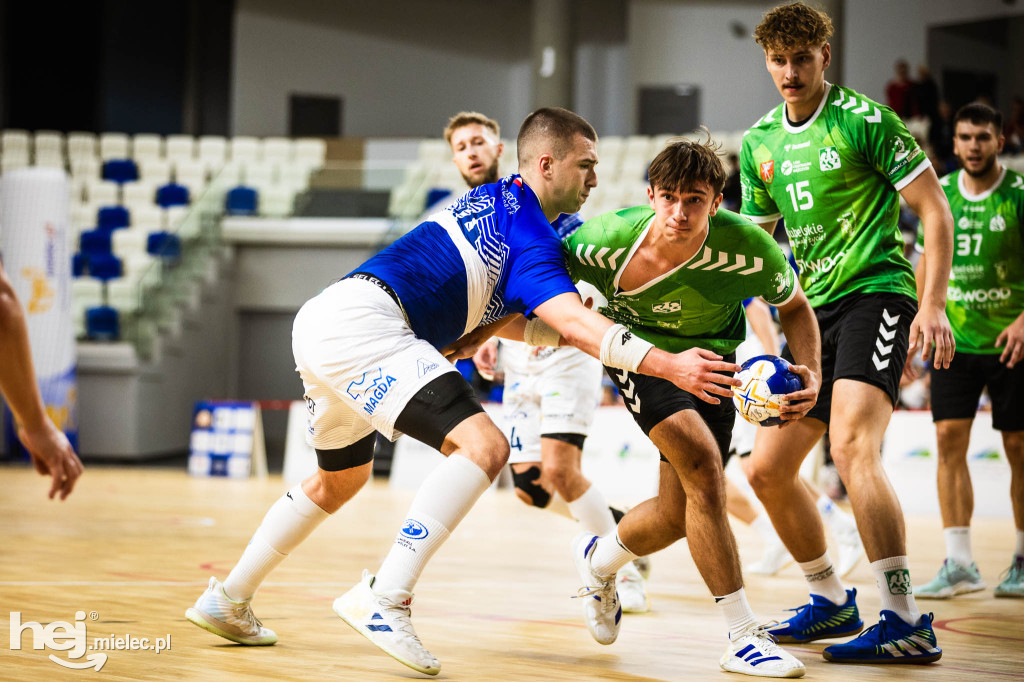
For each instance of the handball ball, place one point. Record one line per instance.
(765, 380)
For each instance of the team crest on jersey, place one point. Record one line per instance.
(997, 224)
(768, 170)
(828, 159)
(668, 307)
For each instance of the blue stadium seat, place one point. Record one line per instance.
(112, 218)
(172, 195)
(95, 243)
(241, 201)
(79, 265)
(164, 245)
(105, 267)
(120, 171)
(102, 323)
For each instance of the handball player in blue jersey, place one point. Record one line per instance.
(369, 352)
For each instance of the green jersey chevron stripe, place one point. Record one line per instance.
(986, 281)
(834, 180)
(699, 303)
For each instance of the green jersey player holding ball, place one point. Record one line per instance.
(986, 307)
(833, 163)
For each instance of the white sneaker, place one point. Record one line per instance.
(756, 653)
(775, 557)
(851, 549)
(601, 610)
(632, 590)
(234, 620)
(384, 619)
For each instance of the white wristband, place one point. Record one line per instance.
(540, 333)
(622, 350)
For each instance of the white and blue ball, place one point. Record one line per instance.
(765, 379)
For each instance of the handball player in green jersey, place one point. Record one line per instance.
(676, 272)
(985, 305)
(833, 164)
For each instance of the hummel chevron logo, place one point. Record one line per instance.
(887, 331)
(597, 259)
(704, 262)
(1018, 182)
(628, 391)
(862, 109)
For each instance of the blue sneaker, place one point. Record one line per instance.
(889, 641)
(821, 619)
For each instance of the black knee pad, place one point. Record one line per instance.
(526, 481)
(437, 408)
(575, 439)
(348, 457)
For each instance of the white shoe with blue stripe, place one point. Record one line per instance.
(755, 652)
(601, 609)
(384, 619)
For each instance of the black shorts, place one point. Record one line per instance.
(652, 400)
(955, 391)
(863, 337)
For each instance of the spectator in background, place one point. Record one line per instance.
(731, 191)
(899, 92)
(51, 452)
(940, 137)
(926, 95)
(1013, 131)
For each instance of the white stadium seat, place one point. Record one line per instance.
(213, 150)
(155, 171)
(48, 143)
(114, 146)
(311, 151)
(244, 149)
(180, 147)
(14, 140)
(81, 144)
(147, 146)
(133, 193)
(102, 193)
(277, 149)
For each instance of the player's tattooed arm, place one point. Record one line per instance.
(801, 329)
(930, 329)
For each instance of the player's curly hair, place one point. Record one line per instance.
(791, 26)
(465, 118)
(683, 163)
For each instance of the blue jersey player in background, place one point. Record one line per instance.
(368, 350)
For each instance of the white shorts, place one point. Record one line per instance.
(360, 363)
(560, 398)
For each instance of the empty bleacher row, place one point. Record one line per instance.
(129, 196)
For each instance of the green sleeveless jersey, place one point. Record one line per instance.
(986, 284)
(700, 302)
(835, 179)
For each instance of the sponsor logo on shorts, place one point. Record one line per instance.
(371, 389)
(425, 366)
(668, 307)
(414, 530)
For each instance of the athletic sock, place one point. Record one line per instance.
(958, 545)
(610, 555)
(893, 578)
(442, 501)
(763, 525)
(1020, 543)
(822, 579)
(591, 510)
(288, 522)
(737, 613)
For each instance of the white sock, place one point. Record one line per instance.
(443, 500)
(823, 580)
(737, 613)
(288, 522)
(958, 545)
(591, 510)
(893, 578)
(610, 555)
(1020, 543)
(763, 525)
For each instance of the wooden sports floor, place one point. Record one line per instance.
(132, 549)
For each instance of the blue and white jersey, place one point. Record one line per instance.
(566, 223)
(490, 254)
